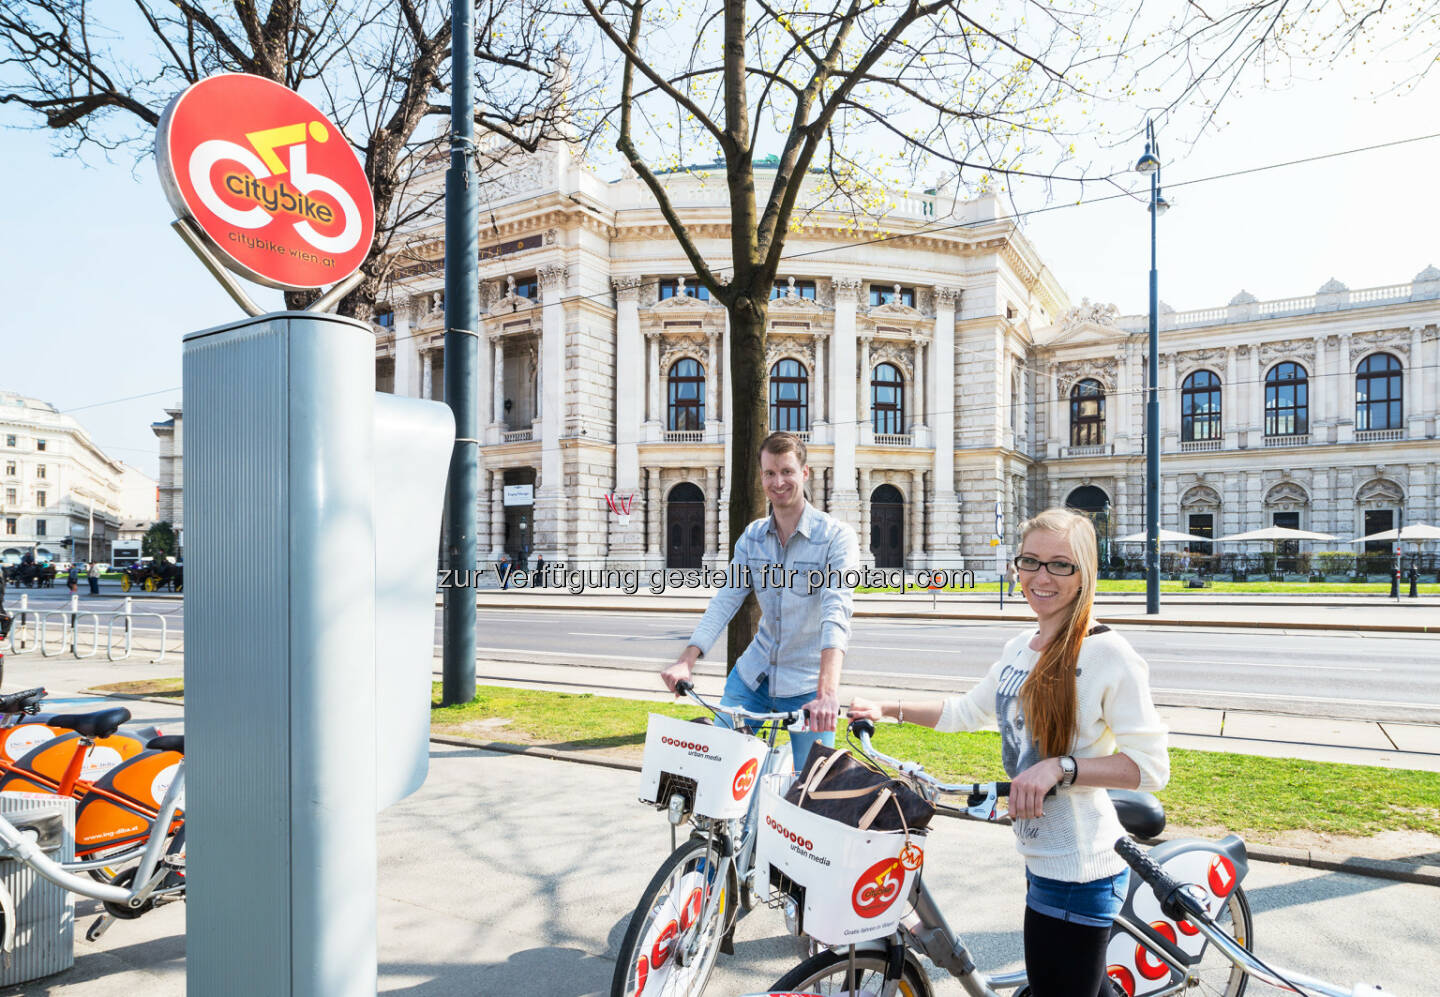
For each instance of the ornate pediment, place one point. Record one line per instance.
(1091, 313)
(791, 301)
(1069, 372)
(1212, 359)
(901, 356)
(778, 348)
(505, 300)
(895, 309)
(1380, 491)
(1287, 494)
(1200, 496)
(1396, 341)
(1287, 349)
(681, 301)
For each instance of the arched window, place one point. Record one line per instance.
(1087, 414)
(789, 397)
(887, 400)
(1379, 392)
(1200, 407)
(1287, 400)
(687, 395)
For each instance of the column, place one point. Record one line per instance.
(722, 529)
(652, 412)
(497, 379)
(1229, 405)
(550, 500)
(1322, 394)
(1120, 424)
(1168, 373)
(945, 511)
(817, 384)
(407, 354)
(867, 430)
(915, 506)
(867, 556)
(1415, 377)
(724, 413)
(1053, 391)
(712, 378)
(846, 503)
(628, 540)
(654, 554)
(712, 508)
(1344, 389)
(917, 408)
(497, 513)
(1429, 395)
(1122, 508)
(427, 372)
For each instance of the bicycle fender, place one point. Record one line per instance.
(7, 922)
(1216, 868)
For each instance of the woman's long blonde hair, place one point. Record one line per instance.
(1049, 695)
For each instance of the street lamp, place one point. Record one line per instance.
(1149, 165)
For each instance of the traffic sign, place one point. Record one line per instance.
(267, 180)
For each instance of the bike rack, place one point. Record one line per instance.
(110, 638)
(20, 624)
(75, 634)
(164, 635)
(64, 632)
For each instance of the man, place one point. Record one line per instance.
(92, 572)
(796, 656)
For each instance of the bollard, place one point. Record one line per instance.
(1414, 582)
(1395, 583)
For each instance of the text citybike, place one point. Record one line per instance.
(695, 749)
(798, 844)
(281, 199)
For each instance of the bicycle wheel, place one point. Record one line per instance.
(830, 973)
(669, 917)
(1215, 975)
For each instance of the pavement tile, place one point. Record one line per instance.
(1305, 730)
(1414, 737)
(1192, 720)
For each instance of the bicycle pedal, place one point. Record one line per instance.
(101, 925)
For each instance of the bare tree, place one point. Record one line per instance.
(853, 96)
(377, 68)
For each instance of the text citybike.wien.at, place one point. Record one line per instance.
(660, 580)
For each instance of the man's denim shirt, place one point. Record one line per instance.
(797, 621)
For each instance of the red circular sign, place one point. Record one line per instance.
(271, 183)
(1221, 876)
(878, 888)
(744, 779)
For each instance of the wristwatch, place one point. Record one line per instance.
(1067, 770)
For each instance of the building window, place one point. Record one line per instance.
(887, 399)
(1287, 400)
(687, 395)
(669, 287)
(803, 289)
(385, 319)
(528, 287)
(10, 469)
(1202, 524)
(10, 440)
(1200, 407)
(10, 497)
(1379, 392)
(12, 525)
(40, 499)
(891, 294)
(39, 527)
(1087, 414)
(39, 444)
(40, 471)
(789, 397)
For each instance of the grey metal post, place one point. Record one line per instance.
(462, 317)
(1152, 407)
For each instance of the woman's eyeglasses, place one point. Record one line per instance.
(1057, 568)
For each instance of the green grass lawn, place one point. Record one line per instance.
(1242, 793)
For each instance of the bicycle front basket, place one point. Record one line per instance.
(853, 885)
(723, 763)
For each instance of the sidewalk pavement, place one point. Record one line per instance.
(1374, 614)
(508, 875)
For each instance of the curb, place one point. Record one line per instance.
(1356, 865)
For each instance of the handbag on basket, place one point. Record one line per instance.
(834, 784)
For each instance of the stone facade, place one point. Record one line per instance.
(593, 330)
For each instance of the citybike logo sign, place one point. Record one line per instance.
(789, 835)
(268, 180)
(744, 779)
(878, 887)
(687, 745)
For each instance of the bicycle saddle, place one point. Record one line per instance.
(97, 725)
(1140, 813)
(167, 742)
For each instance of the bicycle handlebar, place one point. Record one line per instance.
(684, 687)
(1175, 900)
(22, 702)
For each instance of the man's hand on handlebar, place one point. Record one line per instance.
(822, 712)
(681, 671)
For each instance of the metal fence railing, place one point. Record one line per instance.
(71, 630)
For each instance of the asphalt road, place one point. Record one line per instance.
(1322, 669)
(1310, 671)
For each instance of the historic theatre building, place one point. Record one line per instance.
(936, 375)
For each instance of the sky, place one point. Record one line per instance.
(102, 291)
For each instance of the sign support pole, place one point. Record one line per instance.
(462, 319)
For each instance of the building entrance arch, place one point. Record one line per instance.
(685, 527)
(887, 527)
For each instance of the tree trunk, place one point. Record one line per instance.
(749, 421)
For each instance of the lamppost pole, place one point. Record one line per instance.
(1150, 163)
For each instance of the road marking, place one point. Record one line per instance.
(1264, 664)
(1289, 698)
(627, 636)
(930, 650)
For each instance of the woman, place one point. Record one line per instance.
(1072, 701)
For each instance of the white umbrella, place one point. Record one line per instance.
(1278, 533)
(1413, 532)
(1166, 537)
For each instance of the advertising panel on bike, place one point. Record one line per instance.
(856, 882)
(723, 763)
(1215, 869)
(269, 182)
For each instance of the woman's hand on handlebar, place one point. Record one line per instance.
(865, 709)
(1029, 788)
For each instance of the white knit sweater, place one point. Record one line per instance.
(1074, 840)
